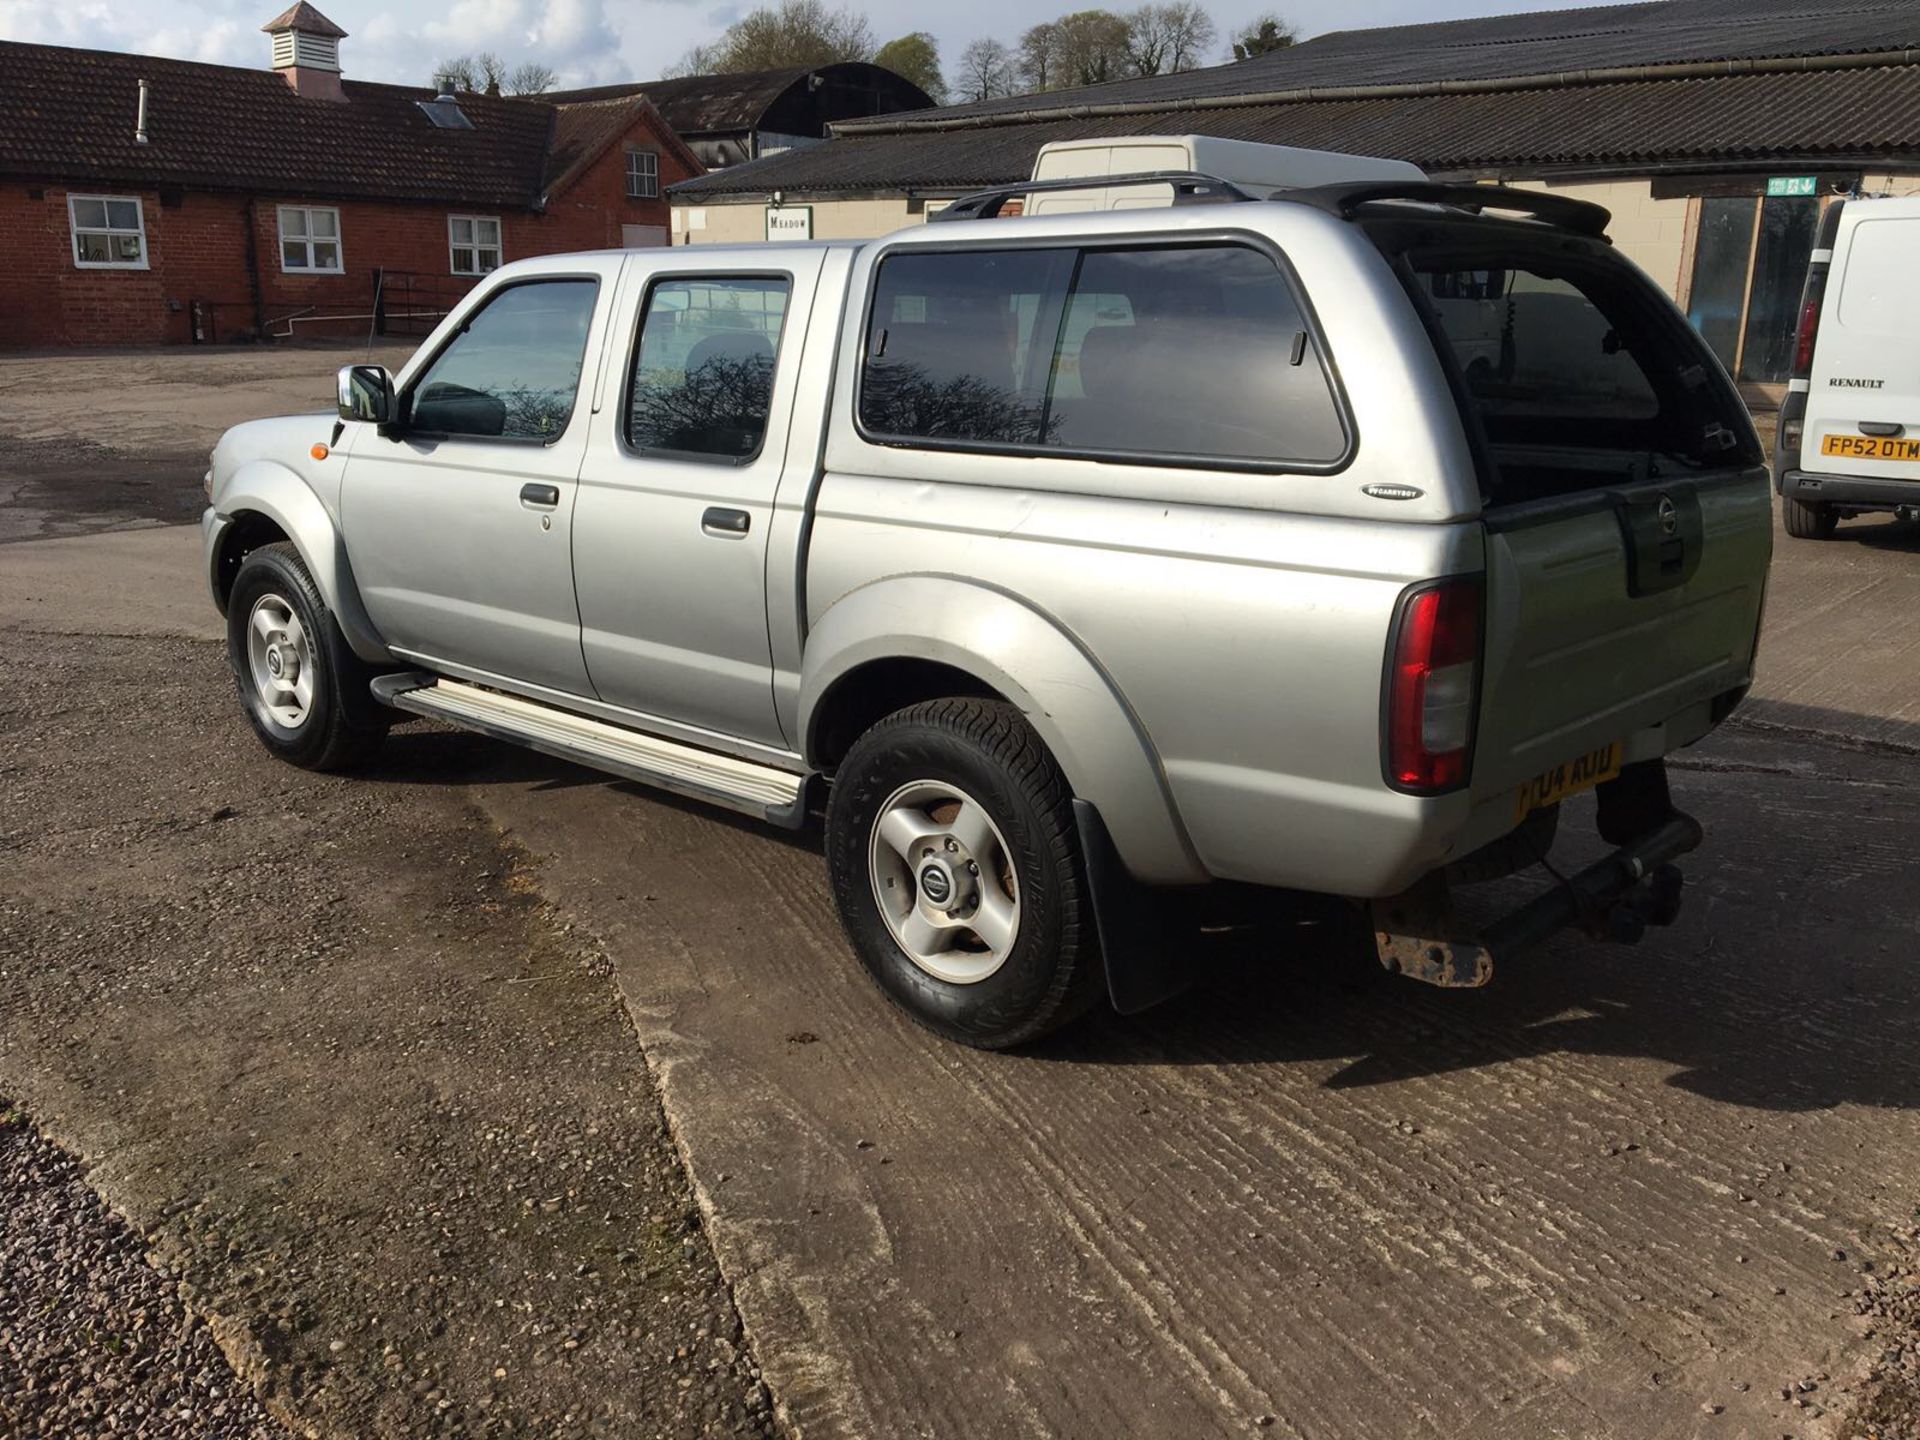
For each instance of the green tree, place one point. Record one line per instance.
(794, 32)
(917, 57)
(1263, 36)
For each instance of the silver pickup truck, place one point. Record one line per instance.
(1077, 565)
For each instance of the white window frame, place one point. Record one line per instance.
(498, 247)
(339, 266)
(650, 176)
(75, 230)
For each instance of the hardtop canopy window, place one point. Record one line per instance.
(512, 370)
(1578, 371)
(1167, 353)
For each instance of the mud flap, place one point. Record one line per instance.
(1142, 938)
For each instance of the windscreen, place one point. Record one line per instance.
(1578, 372)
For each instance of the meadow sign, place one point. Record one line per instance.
(789, 222)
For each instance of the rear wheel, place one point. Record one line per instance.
(1809, 522)
(956, 868)
(303, 688)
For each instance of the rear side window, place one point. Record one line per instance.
(513, 370)
(703, 378)
(1172, 353)
(1580, 358)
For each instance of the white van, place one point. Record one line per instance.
(1254, 168)
(1849, 439)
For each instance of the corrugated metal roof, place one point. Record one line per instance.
(1546, 42)
(705, 104)
(1797, 116)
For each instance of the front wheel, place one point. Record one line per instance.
(1808, 522)
(956, 868)
(302, 687)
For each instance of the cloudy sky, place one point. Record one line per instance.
(589, 41)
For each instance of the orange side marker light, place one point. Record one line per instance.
(319, 451)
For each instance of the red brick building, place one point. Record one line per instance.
(149, 201)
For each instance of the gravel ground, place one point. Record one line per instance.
(93, 1337)
(377, 1109)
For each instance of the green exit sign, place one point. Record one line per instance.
(1792, 185)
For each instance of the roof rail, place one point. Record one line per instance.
(1561, 211)
(1189, 188)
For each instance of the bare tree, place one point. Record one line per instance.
(1262, 36)
(1093, 46)
(457, 75)
(988, 70)
(530, 78)
(1163, 39)
(794, 32)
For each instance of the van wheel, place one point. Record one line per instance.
(303, 688)
(957, 871)
(1809, 522)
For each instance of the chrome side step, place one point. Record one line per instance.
(776, 796)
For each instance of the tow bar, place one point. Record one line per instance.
(1615, 899)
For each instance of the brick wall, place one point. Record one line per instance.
(197, 251)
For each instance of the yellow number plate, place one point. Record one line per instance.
(1871, 447)
(1571, 778)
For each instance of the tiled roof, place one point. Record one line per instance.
(1541, 43)
(1845, 116)
(704, 104)
(304, 17)
(727, 104)
(69, 115)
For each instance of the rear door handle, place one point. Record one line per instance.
(724, 523)
(540, 497)
(1881, 427)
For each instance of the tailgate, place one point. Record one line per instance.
(1863, 402)
(1614, 610)
(1625, 498)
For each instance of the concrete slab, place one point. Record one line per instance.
(1591, 1200)
(130, 582)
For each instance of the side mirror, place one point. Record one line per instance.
(365, 392)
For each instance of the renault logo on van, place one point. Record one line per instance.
(1669, 515)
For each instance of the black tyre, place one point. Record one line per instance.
(957, 871)
(303, 689)
(1808, 522)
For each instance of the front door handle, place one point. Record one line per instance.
(725, 524)
(540, 497)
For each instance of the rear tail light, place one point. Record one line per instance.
(1809, 326)
(1432, 683)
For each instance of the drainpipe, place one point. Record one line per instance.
(253, 269)
(140, 121)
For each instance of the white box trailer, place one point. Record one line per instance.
(1256, 168)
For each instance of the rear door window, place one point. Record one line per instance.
(1578, 372)
(1176, 354)
(703, 378)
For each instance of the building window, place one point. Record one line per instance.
(643, 175)
(109, 232)
(474, 241)
(310, 239)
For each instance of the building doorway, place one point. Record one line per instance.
(1750, 262)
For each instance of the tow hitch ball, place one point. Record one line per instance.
(1654, 901)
